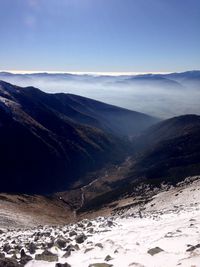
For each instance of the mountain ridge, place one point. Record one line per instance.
(47, 149)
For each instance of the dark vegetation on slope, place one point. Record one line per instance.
(170, 150)
(167, 152)
(48, 141)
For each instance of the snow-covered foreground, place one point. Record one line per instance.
(129, 241)
(164, 233)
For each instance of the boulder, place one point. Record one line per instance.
(154, 251)
(67, 254)
(6, 247)
(62, 265)
(2, 255)
(100, 265)
(108, 258)
(32, 248)
(72, 233)
(46, 256)
(9, 263)
(192, 248)
(88, 249)
(89, 224)
(25, 259)
(60, 243)
(99, 245)
(80, 238)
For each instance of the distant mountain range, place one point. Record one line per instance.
(48, 141)
(171, 79)
(160, 95)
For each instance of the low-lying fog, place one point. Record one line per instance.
(159, 95)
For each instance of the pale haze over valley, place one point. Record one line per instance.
(162, 95)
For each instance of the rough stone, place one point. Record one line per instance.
(108, 258)
(154, 251)
(46, 256)
(62, 265)
(9, 263)
(80, 238)
(100, 265)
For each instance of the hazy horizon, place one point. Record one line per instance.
(109, 73)
(163, 96)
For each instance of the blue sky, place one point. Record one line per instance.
(100, 35)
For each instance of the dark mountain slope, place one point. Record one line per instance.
(116, 120)
(112, 119)
(170, 150)
(167, 152)
(37, 160)
(48, 141)
(168, 129)
(41, 151)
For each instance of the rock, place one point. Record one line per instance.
(110, 223)
(67, 254)
(76, 247)
(108, 258)
(192, 248)
(2, 255)
(90, 230)
(14, 256)
(22, 253)
(62, 265)
(1, 232)
(46, 256)
(50, 244)
(25, 259)
(36, 238)
(99, 245)
(135, 264)
(18, 247)
(32, 248)
(72, 233)
(69, 240)
(88, 249)
(43, 245)
(81, 225)
(46, 234)
(89, 224)
(6, 247)
(100, 265)
(9, 263)
(70, 248)
(154, 251)
(60, 243)
(80, 238)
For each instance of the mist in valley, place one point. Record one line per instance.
(162, 96)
